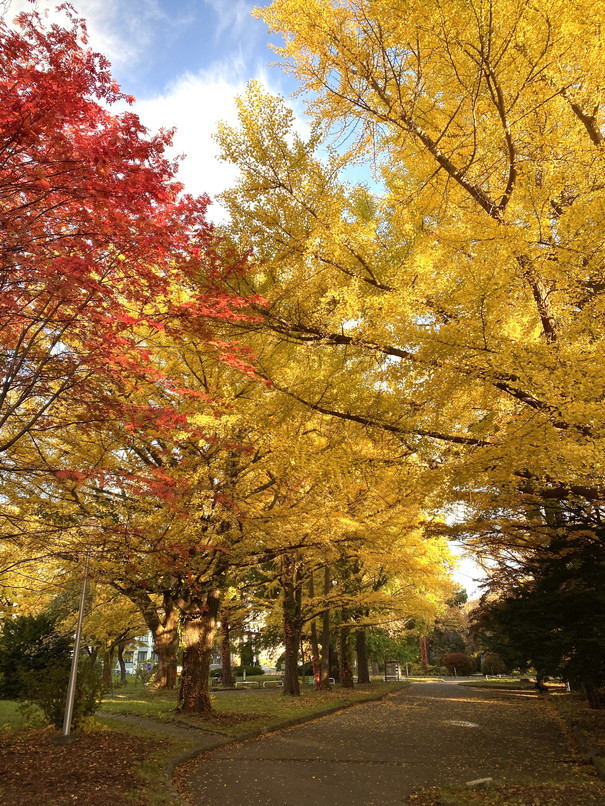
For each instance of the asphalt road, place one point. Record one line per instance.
(378, 753)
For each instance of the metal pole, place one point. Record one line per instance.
(73, 672)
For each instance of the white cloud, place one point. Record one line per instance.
(122, 30)
(233, 15)
(194, 104)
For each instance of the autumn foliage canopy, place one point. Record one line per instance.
(97, 234)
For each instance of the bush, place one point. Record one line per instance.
(251, 671)
(48, 690)
(144, 675)
(29, 645)
(492, 663)
(458, 663)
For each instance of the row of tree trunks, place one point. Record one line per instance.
(109, 661)
(198, 618)
(293, 623)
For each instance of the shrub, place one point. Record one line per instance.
(492, 663)
(251, 671)
(28, 646)
(48, 690)
(457, 663)
(144, 675)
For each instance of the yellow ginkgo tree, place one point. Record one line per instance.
(454, 299)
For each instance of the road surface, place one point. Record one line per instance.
(378, 753)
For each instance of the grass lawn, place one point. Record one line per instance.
(237, 713)
(13, 718)
(501, 683)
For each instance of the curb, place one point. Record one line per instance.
(255, 734)
(587, 750)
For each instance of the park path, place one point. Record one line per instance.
(378, 753)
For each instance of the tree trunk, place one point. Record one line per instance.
(424, 655)
(122, 663)
(292, 619)
(346, 667)
(363, 670)
(314, 641)
(108, 657)
(226, 668)
(324, 671)
(165, 645)
(198, 620)
(334, 661)
(162, 622)
(593, 695)
(315, 659)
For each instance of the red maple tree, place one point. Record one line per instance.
(96, 233)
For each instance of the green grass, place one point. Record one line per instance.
(139, 701)
(502, 683)
(12, 717)
(242, 712)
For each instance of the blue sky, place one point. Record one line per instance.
(153, 43)
(184, 61)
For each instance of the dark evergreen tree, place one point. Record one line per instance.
(30, 645)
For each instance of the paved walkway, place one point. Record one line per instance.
(378, 753)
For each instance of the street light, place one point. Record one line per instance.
(66, 737)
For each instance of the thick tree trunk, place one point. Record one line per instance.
(292, 619)
(165, 645)
(198, 622)
(226, 668)
(162, 621)
(593, 693)
(346, 666)
(363, 670)
(324, 671)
